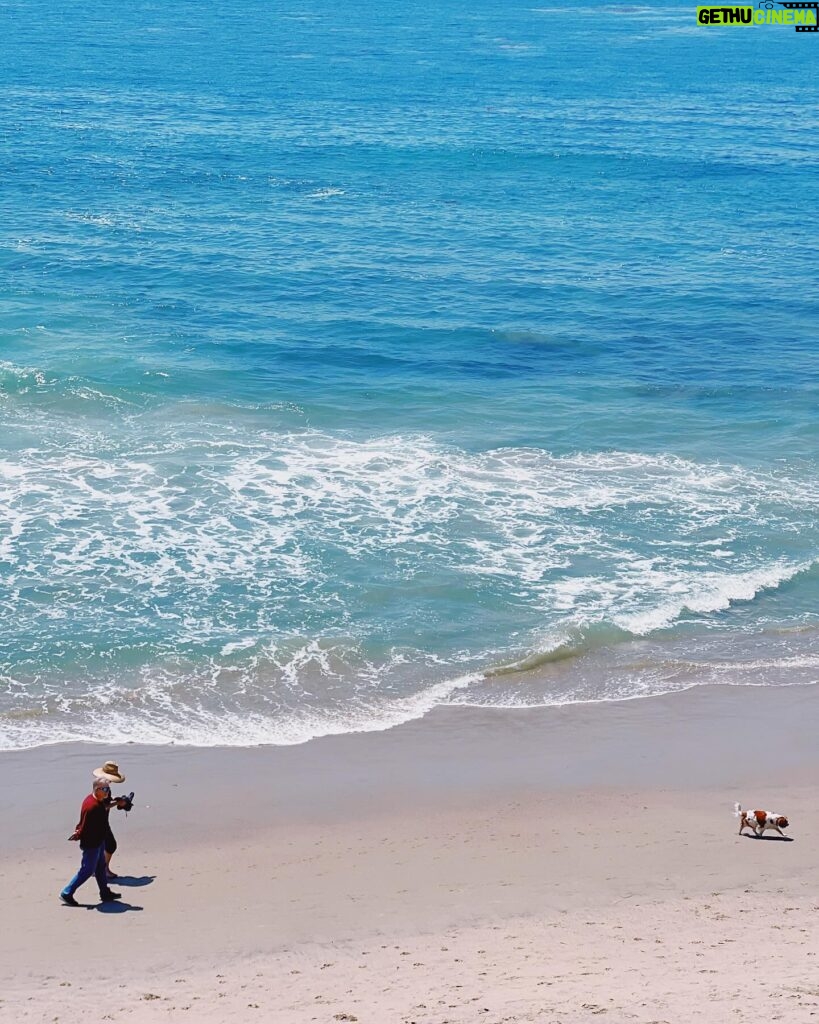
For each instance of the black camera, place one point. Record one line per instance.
(125, 801)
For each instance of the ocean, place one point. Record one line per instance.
(357, 360)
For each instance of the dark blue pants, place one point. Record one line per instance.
(93, 863)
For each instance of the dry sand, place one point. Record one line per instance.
(558, 865)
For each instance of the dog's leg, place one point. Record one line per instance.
(779, 830)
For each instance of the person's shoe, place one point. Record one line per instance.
(68, 900)
(109, 897)
(112, 875)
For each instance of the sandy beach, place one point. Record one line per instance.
(553, 865)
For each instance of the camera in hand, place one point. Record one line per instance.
(125, 801)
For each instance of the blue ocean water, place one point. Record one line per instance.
(355, 360)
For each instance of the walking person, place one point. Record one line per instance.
(109, 773)
(90, 832)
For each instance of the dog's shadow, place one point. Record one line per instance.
(768, 839)
(135, 880)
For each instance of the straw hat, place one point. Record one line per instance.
(109, 772)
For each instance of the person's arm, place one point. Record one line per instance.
(77, 833)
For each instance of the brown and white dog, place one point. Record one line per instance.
(760, 820)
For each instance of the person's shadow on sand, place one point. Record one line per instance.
(115, 908)
(769, 839)
(134, 880)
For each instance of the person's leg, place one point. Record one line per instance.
(101, 873)
(88, 866)
(110, 850)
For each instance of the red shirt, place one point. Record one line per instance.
(93, 822)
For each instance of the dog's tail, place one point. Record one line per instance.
(737, 811)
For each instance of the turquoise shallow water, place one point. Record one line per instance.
(353, 362)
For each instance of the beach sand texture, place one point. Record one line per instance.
(472, 867)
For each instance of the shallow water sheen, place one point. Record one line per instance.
(355, 361)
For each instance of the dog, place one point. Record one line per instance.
(759, 821)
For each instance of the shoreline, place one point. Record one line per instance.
(468, 840)
(620, 671)
(679, 718)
